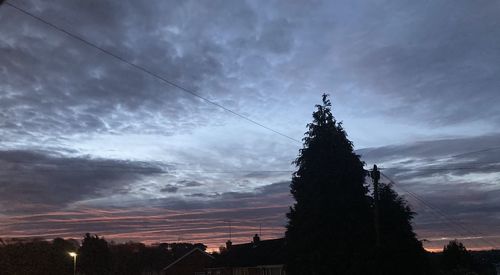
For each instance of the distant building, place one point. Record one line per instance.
(256, 258)
(192, 263)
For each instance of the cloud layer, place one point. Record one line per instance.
(68, 197)
(89, 143)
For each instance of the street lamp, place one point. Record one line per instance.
(73, 254)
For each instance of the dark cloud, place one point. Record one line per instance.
(204, 195)
(169, 189)
(263, 196)
(48, 96)
(387, 48)
(189, 183)
(37, 181)
(452, 59)
(169, 219)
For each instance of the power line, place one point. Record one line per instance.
(446, 169)
(437, 210)
(442, 214)
(478, 151)
(145, 70)
(437, 214)
(471, 237)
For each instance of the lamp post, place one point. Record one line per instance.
(73, 254)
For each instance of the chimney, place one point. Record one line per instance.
(229, 244)
(256, 239)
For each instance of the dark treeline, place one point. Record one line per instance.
(36, 256)
(96, 256)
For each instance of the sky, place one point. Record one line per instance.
(91, 144)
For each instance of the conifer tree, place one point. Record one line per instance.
(330, 226)
(400, 252)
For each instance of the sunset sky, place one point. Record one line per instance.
(91, 144)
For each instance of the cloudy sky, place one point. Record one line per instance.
(91, 144)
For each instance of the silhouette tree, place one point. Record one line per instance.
(36, 256)
(40, 257)
(94, 256)
(456, 259)
(400, 252)
(330, 226)
(127, 258)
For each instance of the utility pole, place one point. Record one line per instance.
(375, 175)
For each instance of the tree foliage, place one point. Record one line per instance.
(94, 256)
(456, 259)
(330, 228)
(36, 257)
(400, 252)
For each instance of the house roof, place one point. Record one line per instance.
(187, 254)
(268, 252)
